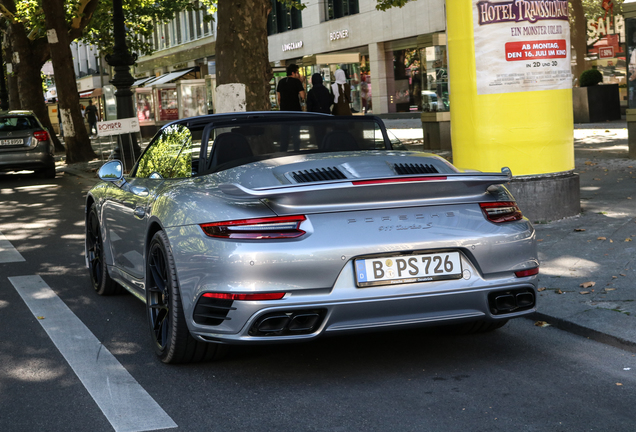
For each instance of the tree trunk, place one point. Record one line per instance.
(579, 37)
(78, 144)
(242, 50)
(27, 67)
(14, 96)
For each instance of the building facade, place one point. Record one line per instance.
(395, 60)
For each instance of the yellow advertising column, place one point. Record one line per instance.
(511, 97)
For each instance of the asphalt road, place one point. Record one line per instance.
(522, 377)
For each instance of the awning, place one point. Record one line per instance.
(166, 78)
(143, 80)
(91, 93)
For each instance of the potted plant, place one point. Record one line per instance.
(593, 102)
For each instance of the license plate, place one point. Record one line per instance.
(408, 269)
(11, 141)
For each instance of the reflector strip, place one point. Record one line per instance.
(398, 180)
(250, 296)
(526, 273)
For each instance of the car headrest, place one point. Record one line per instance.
(339, 141)
(227, 147)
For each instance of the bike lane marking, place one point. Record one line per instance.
(8, 253)
(126, 405)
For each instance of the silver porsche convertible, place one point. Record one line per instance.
(272, 227)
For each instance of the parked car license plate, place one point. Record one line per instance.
(11, 141)
(408, 269)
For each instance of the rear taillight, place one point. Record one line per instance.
(498, 212)
(279, 227)
(246, 297)
(526, 273)
(41, 135)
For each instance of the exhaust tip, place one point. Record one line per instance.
(503, 302)
(285, 323)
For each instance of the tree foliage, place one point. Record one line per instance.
(388, 4)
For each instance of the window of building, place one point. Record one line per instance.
(166, 34)
(177, 29)
(198, 25)
(341, 8)
(207, 27)
(283, 18)
(191, 33)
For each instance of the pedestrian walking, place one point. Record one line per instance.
(92, 117)
(318, 98)
(341, 94)
(290, 90)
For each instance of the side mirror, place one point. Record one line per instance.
(111, 171)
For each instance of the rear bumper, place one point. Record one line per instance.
(443, 304)
(27, 159)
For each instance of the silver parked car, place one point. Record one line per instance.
(272, 227)
(25, 144)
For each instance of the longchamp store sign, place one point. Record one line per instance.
(521, 45)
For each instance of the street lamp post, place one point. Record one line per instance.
(121, 60)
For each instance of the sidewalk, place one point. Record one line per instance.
(588, 263)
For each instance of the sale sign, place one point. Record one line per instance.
(521, 45)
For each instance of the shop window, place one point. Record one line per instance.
(341, 8)
(407, 69)
(434, 79)
(421, 80)
(283, 18)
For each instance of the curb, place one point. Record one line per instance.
(586, 332)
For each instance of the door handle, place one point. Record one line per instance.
(139, 212)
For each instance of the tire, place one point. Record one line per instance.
(474, 327)
(100, 279)
(171, 338)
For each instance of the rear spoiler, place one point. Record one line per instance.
(397, 191)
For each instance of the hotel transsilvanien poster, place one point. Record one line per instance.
(521, 45)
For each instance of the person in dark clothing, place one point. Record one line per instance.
(318, 98)
(289, 93)
(91, 116)
(290, 90)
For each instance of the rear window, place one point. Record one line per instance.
(236, 144)
(17, 123)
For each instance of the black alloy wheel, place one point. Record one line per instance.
(100, 279)
(158, 296)
(171, 338)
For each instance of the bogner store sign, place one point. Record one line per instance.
(340, 34)
(521, 45)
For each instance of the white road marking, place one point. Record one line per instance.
(8, 253)
(126, 405)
